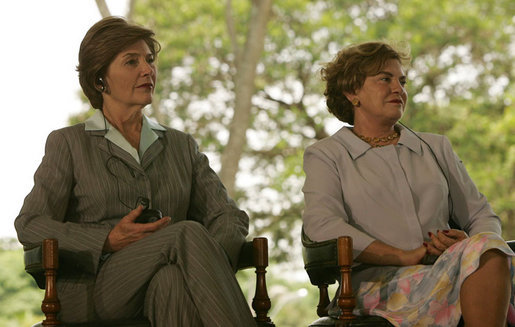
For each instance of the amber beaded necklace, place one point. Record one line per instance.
(375, 142)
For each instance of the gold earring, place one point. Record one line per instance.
(355, 102)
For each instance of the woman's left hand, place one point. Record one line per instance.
(442, 240)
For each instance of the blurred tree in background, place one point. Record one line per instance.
(242, 76)
(20, 298)
(460, 84)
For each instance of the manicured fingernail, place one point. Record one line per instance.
(425, 244)
(430, 234)
(445, 231)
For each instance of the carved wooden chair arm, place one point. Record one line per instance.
(327, 261)
(42, 262)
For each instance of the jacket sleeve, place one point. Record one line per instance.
(43, 214)
(471, 208)
(211, 206)
(324, 214)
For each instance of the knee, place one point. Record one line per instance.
(191, 227)
(185, 230)
(495, 259)
(192, 236)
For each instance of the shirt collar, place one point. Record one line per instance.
(96, 123)
(148, 133)
(410, 139)
(357, 147)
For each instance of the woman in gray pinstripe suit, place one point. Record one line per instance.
(88, 190)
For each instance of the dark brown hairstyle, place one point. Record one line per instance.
(349, 69)
(103, 41)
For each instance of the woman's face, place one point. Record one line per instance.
(131, 77)
(383, 96)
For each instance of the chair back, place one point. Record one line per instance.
(320, 260)
(32, 258)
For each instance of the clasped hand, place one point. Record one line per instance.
(126, 231)
(442, 240)
(439, 242)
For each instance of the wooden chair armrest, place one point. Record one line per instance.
(346, 300)
(325, 262)
(42, 262)
(50, 264)
(255, 254)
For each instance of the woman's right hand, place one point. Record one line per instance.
(379, 253)
(413, 257)
(127, 231)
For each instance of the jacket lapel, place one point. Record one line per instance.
(114, 150)
(153, 151)
(96, 127)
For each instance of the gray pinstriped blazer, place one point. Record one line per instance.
(79, 194)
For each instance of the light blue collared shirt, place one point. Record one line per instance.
(148, 136)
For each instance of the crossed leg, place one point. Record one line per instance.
(207, 280)
(485, 294)
(166, 290)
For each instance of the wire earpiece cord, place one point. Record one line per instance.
(111, 157)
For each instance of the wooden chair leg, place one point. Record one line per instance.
(261, 302)
(346, 300)
(323, 301)
(50, 305)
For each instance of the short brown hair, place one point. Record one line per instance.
(103, 41)
(349, 69)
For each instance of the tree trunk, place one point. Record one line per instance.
(244, 90)
(130, 10)
(102, 7)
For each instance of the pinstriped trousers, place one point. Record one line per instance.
(178, 276)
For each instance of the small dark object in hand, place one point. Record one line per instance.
(149, 216)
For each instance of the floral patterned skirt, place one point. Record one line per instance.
(428, 295)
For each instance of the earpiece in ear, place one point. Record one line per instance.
(101, 84)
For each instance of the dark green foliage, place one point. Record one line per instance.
(20, 298)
